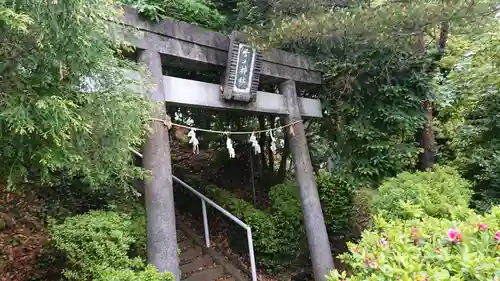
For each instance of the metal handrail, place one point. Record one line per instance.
(205, 200)
(222, 210)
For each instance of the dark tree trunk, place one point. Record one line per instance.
(443, 37)
(238, 122)
(427, 139)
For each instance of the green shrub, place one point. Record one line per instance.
(434, 193)
(336, 201)
(94, 242)
(279, 235)
(288, 218)
(428, 248)
(150, 273)
(361, 213)
(137, 215)
(270, 244)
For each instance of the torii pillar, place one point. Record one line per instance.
(317, 236)
(160, 210)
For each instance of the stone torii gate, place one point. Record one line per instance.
(167, 41)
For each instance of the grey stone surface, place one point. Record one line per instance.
(210, 274)
(317, 236)
(184, 243)
(229, 268)
(197, 264)
(195, 43)
(159, 196)
(206, 95)
(190, 254)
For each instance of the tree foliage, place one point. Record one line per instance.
(376, 73)
(199, 12)
(469, 103)
(65, 105)
(67, 113)
(373, 96)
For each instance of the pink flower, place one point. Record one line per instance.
(384, 241)
(483, 227)
(455, 235)
(372, 264)
(414, 236)
(497, 236)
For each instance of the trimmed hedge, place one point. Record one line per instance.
(336, 195)
(435, 193)
(288, 218)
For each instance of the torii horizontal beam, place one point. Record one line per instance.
(190, 42)
(193, 93)
(200, 94)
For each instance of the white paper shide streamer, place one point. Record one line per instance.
(255, 143)
(273, 142)
(230, 148)
(194, 141)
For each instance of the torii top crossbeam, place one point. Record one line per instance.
(191, 42)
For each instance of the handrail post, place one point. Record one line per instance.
(252, 255)
(205, 223)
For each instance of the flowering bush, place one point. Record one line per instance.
(434, 193)
(427, 249)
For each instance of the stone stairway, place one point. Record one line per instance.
(198, 263)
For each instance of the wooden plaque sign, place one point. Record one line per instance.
(242, 72)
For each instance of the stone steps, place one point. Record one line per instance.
(196, 265)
